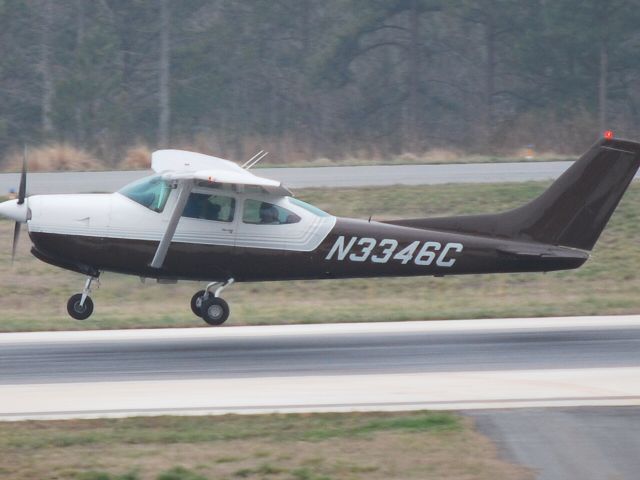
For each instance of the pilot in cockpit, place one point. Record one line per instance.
(268, 214)
(200, 206)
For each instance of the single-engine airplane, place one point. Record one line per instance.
(207, 219)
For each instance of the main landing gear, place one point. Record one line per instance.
(80, 305)
(209, 306)
(206, 303)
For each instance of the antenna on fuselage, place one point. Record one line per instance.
(255, 159)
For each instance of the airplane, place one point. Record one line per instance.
(203, 218)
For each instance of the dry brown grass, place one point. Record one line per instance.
(283, 152)
(53, 157)
(566, 133)
(136, 158)
(433, 155)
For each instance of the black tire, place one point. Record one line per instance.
(196, 302)
(76, 310)
(215, 311)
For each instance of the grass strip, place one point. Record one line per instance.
(412, 445)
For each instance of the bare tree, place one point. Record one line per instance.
(164, 94)
(45, 67)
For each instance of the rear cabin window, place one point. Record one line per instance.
(218, 208)
(263, 213)
(151, 192)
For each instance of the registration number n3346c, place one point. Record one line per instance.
(362, 249)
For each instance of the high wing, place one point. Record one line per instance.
(185, 169)
(183, 165)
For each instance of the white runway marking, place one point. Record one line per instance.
(457, 390)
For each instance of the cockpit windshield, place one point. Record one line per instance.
(152, 192)
(308, 207)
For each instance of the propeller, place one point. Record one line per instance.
(23, 178)
(21, 196)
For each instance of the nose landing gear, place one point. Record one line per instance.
(80, 305)
(209, 306)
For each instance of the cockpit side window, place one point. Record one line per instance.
(263, 213)
(218, 208)
(151, 192)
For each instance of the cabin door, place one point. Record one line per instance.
(208, 229)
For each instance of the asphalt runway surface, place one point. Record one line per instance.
(496, 371)
(328, 352)
(338, 367)
(379, 175)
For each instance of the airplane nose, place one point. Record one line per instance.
(12, 210)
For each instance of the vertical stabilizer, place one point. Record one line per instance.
(572, 212)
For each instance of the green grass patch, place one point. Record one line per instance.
(171, 430)
(92, 475)
(180, 473)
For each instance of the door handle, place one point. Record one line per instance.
(229, 230)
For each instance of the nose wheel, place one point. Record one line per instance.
(209, 306)
(80, 305)
(79, 310)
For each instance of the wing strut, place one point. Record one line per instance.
(163, 247)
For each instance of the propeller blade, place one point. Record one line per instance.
(16, 237)
(23, 179)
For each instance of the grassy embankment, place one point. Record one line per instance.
(417, 445)
(34, 294)
(61, 157)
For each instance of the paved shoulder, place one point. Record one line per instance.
(585, 443)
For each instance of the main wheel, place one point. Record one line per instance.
(215, 311)
(196, 303)
(77, 311)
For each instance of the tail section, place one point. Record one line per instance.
(572, 212)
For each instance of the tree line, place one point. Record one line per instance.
(309, 78)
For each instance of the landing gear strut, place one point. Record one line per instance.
(80, 305)
(208, 305)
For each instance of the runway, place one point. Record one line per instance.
(468, 364)
(360, 176)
